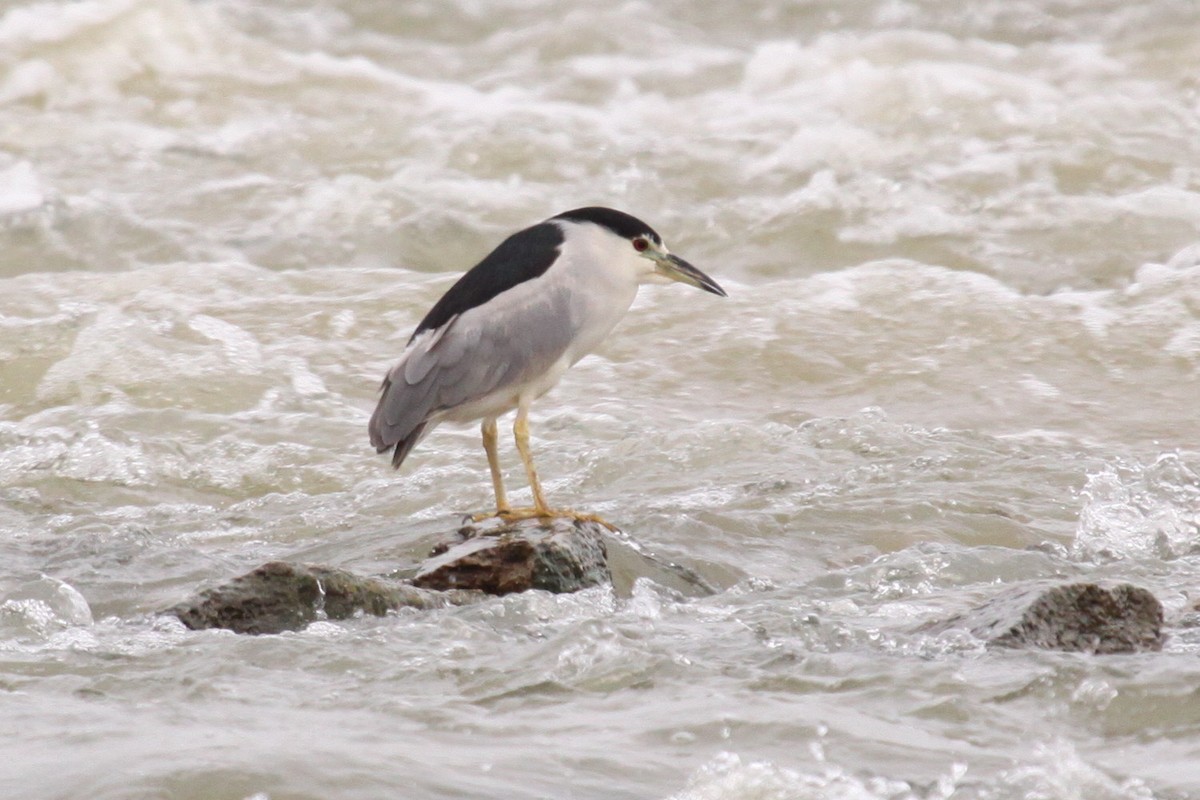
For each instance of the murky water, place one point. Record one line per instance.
(961, 350)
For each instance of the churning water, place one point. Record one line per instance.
(961, 350)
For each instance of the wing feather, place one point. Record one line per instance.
(477, 353)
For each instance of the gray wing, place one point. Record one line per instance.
(471, 356)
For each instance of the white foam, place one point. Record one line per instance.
(28, 79)
(729, 777)
(44, 607)
(242, 350)
(82, 53)
(1140, 511)
(20, 188)
(55, 22)
(1185, 342)
(1039, 387)
(1055, 769)
(305, 382)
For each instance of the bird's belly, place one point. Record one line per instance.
(489, 405)
(505, 398)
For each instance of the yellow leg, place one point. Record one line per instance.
(540, 508)
(489, 444)
(521, 434)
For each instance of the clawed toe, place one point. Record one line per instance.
(520, 514)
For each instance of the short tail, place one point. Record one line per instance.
(393, 434)
(401, 448)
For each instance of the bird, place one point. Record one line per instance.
(505, 332)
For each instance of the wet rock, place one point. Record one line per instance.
(556, 555)
(280, 597)
(629, 561)
(1080, 617)
(493, 558)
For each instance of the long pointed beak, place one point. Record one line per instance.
(675, 268)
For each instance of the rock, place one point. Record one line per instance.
(1078, 617)
(629, 561)
(285, 597)
(556, 555)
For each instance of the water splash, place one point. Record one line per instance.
(729, 777)
(1140, 511)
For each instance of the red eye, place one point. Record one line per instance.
(640, 244)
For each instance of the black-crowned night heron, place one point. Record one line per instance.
(504, 334)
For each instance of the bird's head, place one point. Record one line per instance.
(639, 245)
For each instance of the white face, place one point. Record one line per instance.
(640, 259)
(635, 259)
(651, 254)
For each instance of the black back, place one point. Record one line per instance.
(523, 256)
(620, 223)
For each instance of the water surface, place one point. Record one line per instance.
(961, 351)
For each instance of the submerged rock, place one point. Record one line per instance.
(1080, 617)
(629, 562)
(280, 597)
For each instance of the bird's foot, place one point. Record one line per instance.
(519, 514)
(510, 514)
(486, 515)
